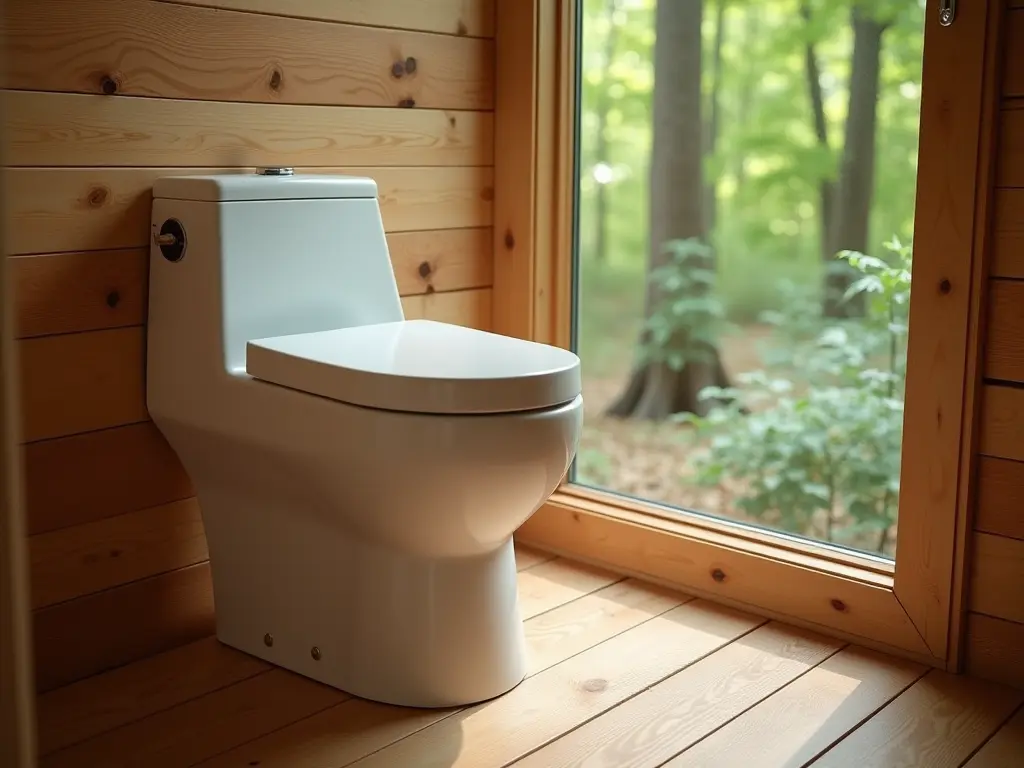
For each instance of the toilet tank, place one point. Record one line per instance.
(262, 255)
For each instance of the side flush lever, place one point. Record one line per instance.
(947, 12)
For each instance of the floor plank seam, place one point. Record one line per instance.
(992, 735)
(154, 713)
(764, 698)
(646, 688)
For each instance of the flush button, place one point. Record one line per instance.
(275, 171)
(171, 240)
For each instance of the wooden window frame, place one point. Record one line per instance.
(913, 608)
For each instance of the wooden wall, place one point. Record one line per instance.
(107, 95)
(995, 627)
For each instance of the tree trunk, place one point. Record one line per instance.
(826, 187)
(714, 118)
(603, 106)
(850, 227)
(655, 390)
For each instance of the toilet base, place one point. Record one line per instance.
(378, 624)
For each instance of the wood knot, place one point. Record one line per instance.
(98, 196)
(430, 288)
(461, 29)
(109, 85)
(595, 685)
(398, 69)
(408, 103)
(718, 575)
(945, 286)
(838, 605)
(276, 79)
(510, 240)
(451, 121)
(425, 269)
(410, 66)
(113, 299)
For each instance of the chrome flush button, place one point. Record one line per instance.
(275, 171)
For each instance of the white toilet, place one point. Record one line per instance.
(360, 475)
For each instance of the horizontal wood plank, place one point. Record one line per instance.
(1004, 348)
(1002, 422)
(997, 574)
(69, 715)
(1003, 749)
(94, 290)
(78, 561)
(994, 649)
(118, 626)
(938, 722)
(66, 129)
(1000, 506)
(81, 382)
(1007, 259)
(95, 475)
(145, 48)
(799, 722)
(660, 722)
(1013, 52)
(454, 17)
(72, 209)
(72, 292)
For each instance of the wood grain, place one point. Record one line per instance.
(77, 561)
(507, 728)
(939, 722)
(997, 573)
(1002, 432)
(77, 209)
(657, 724)
(188, 732)
(801, 721)
(72, 292)
(81, 382)
(117, 626)
(454, 17)
(68, 715)
(1004, 748)
(49, 129)
(95, 475)
(1000, 508)
(557, 582)
(442, 260)
(1007, 258)
(528, 557)
(143, 48)
(994, 649)
(1004, 350)
(762, 583)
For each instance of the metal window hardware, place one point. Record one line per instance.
(947, 12)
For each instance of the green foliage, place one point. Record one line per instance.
(804, 448)
(687, 318)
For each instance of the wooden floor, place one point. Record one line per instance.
(621, 674)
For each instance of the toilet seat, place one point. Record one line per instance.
(419, 366)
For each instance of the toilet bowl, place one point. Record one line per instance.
(360, 475)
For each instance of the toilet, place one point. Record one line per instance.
(360, 475)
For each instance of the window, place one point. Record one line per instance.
(743, 284)
(747, 177)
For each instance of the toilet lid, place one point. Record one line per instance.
(421, 366)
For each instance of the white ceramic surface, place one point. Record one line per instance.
(381, 537)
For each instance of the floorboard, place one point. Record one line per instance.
(621, 674)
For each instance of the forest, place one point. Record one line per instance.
(747, 178)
